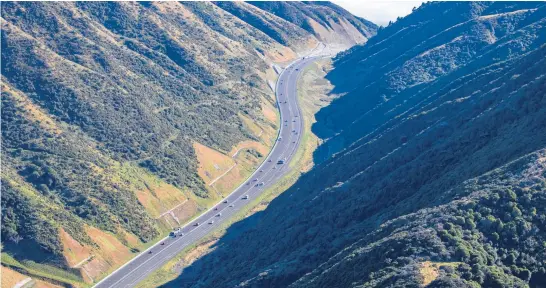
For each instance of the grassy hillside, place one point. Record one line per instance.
(432, 170)
(106, 111)
(327, 21)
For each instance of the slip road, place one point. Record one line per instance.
(267, 174)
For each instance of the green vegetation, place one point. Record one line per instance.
(45, 272)
(311, 98)
(323, 13)
(434, 153)
(102, 102)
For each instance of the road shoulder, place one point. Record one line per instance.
(313, 91)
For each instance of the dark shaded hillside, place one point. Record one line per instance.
(102, 104)
(440, 180)
(392, 70)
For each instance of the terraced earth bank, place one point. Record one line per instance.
(123, 120)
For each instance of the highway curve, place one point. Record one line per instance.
(268, 173)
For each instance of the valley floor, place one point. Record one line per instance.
(312, 95)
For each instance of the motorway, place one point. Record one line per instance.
(288, 140)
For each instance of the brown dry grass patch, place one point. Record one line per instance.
(73, 251)
(430, 270)
(269, 112)
(10, 277)
(111, 249)
(212, 163)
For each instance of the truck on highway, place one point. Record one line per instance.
(177, 231)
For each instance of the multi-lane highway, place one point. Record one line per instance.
(268, 173)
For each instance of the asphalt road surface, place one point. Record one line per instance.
(267, 174)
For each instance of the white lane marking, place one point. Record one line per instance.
(204, 231)
(165, 248)
(265, 176)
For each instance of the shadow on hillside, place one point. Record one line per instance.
(414, 163)
(189, 277)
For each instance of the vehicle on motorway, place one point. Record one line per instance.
(175, 232)
(245, 197)
(255, 179)
(231, 205)
(259, 184)
(269, 160)
(285, 102)
(261, 170)
(280, 161)
(162, 243)
(294, 120)
(150, 252)
(225, 201)
(196, 224)
(297, 69)
(280, 138)
(211, 222)
(294, 141)
(219, 214)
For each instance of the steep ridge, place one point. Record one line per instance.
(439, 179)
(414, 52)
(106, 109)
(330, 23)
